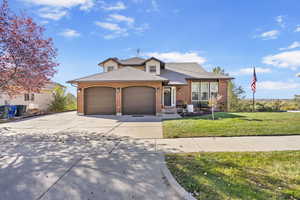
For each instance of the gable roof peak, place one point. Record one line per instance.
(119, 75)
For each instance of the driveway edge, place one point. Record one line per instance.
(175, 185)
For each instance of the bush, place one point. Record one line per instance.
(62, 101)
(266, 105)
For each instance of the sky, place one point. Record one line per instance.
(235, 35)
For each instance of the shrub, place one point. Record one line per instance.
(62, 101)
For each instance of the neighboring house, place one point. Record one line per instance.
(147, 86)
(39, 100)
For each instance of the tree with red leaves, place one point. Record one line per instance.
(27, 60)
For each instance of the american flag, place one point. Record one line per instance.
(253, 83)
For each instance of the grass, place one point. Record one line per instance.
(234, 124)
(238, 175)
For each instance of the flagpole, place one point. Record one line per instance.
(253, 89)
(253, 101)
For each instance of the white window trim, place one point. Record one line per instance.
(154, 66)
(173, 95)
(209, 92)
(106, 68)
(157, 69)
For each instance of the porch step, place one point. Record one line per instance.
(170, 110)
(170, 116)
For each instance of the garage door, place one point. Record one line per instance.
(138, 100)
(99, 101)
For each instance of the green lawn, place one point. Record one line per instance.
(234, 124)
(238, 175)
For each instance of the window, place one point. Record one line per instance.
(203, 91)
(32, 97)
(26, 97)
(214, 89)
(110, 68)
(152, 69)
(196, 91)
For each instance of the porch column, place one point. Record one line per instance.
(80, 100)
(158, 94)
(118, 101)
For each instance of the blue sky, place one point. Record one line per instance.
(235, 35)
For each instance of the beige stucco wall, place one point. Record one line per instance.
(110, 63)
(153, 63)
(41, 100)
(141, 67)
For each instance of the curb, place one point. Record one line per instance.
(175, 185)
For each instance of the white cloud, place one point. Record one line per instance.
(142, 28)
(115, 35)
(297, 28)
(70, 33)
(115, 29)
(287, 59)
(277, 85)
(63, 3)
(121, 18)
(270, 35)
(294, 45)
(109, 26)
(52, 13)
(249, 70)
(56, 9)
(298, 74)
(178, 57)
(117, 6)
(280, 20)
(88, 5)
(154, 6)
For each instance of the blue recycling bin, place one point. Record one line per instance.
(12, 110)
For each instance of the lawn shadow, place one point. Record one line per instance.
(253, 120)
(218, 116)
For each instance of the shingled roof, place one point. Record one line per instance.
(174, 73)
(193, 70)
(121, 75)
(132, 61)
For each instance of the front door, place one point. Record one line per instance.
(167, 96)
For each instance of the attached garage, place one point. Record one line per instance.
(138, 100)
(99, 101)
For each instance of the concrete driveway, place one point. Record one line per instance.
(65, 156)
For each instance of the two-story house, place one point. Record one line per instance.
(147, 86)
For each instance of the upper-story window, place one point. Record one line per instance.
(29, 97)
(110, 68)
(152, 69)
(26, 97)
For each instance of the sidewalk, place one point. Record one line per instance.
(219, 144)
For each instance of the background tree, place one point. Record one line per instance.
(62, 100)
(235, 93)
(26, 58)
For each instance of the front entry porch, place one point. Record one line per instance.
(169, 96)
(169, 100)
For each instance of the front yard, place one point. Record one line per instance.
(234, 124)
(238, 175)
